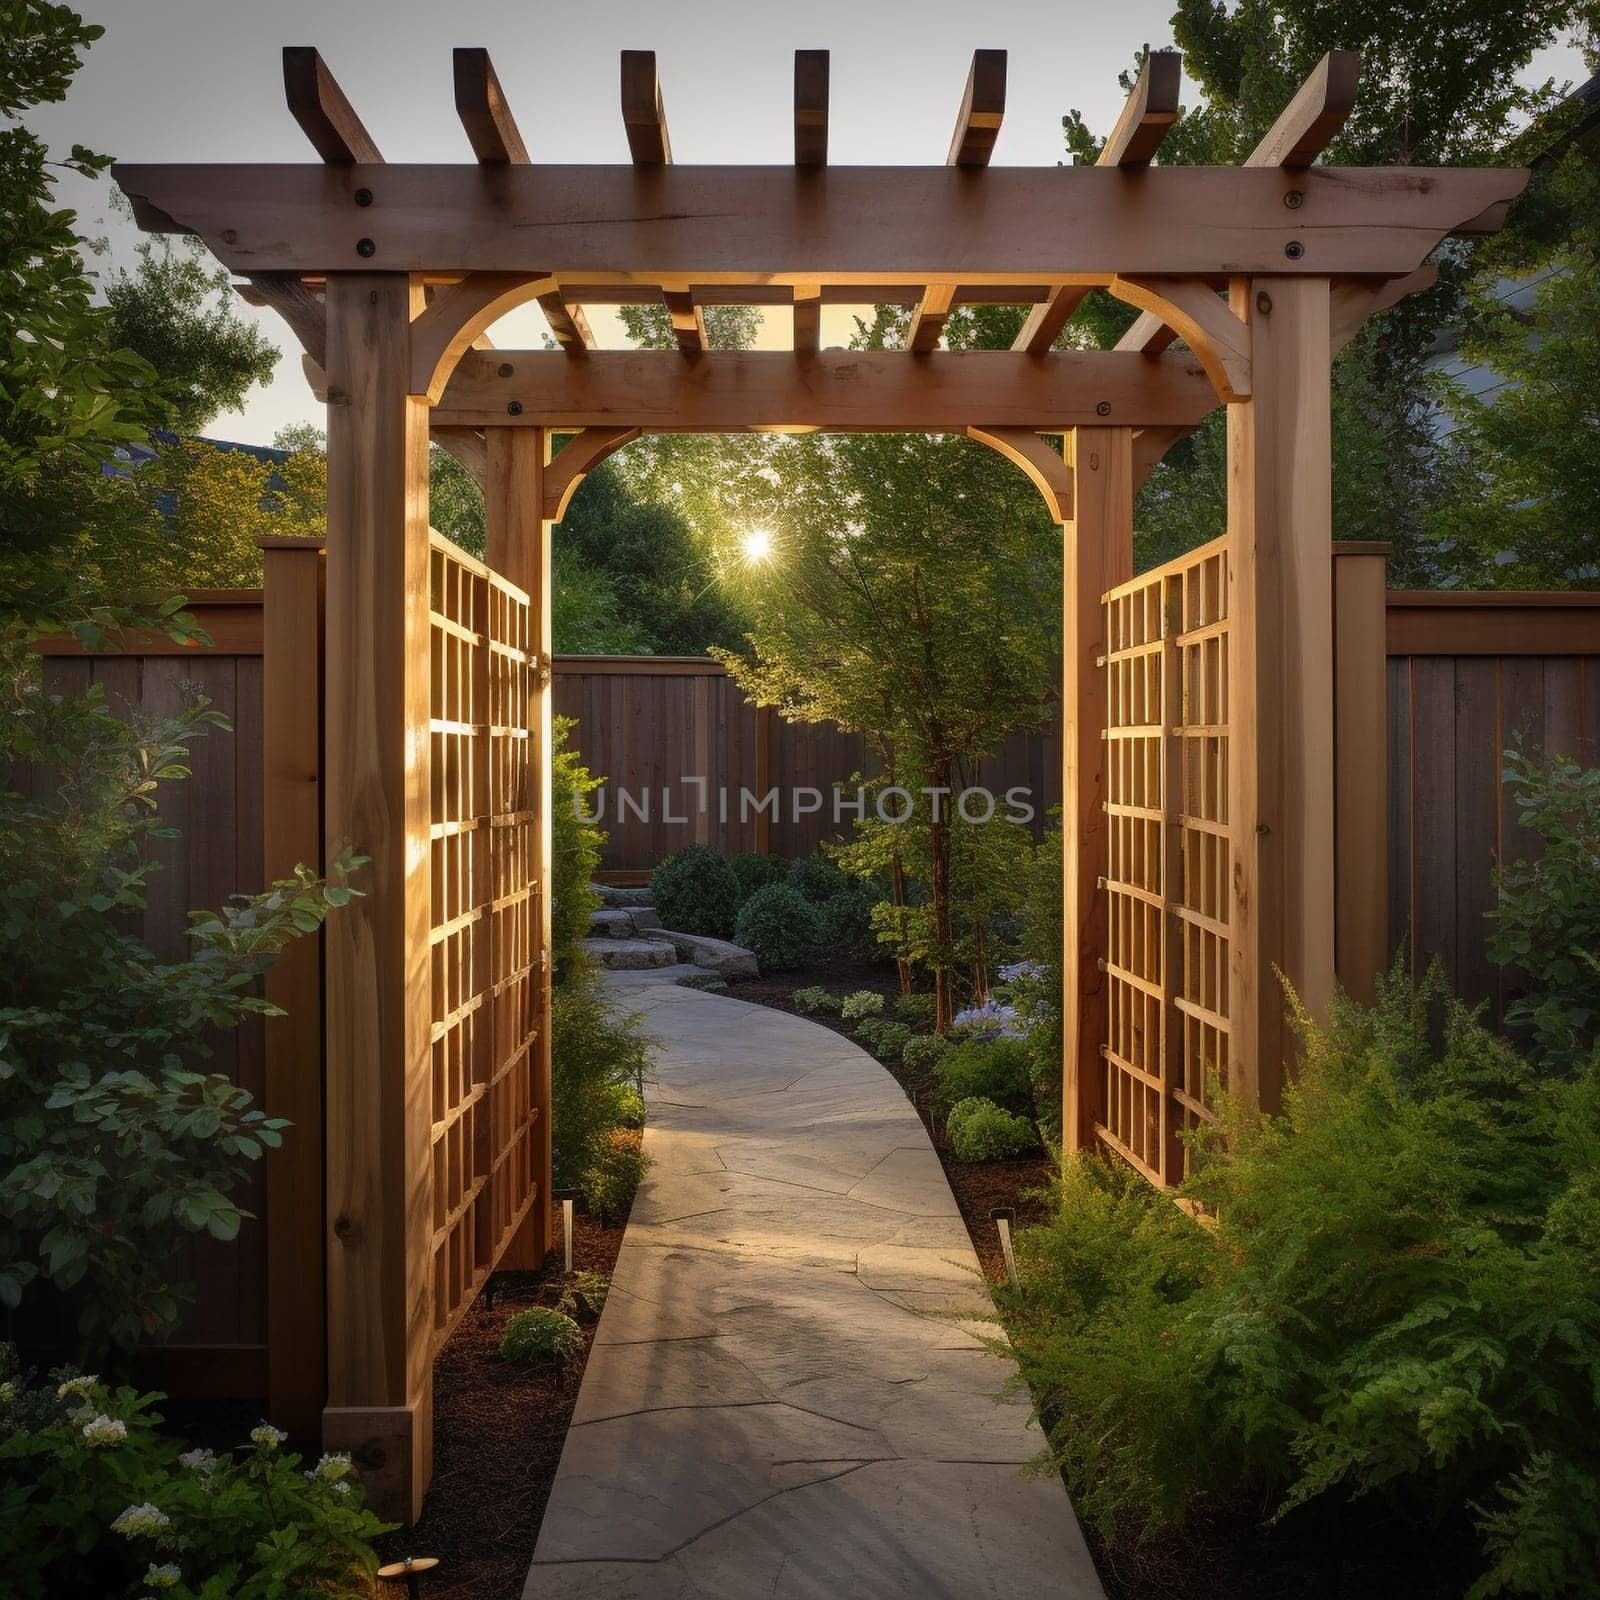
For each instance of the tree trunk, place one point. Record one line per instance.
(939, 889)
(897, 893)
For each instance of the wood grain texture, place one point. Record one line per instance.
(1312, 119)
(778, 225)
(1148, 114)
(877, 390)
(644, 115)
(811, 108)
(1281, 802)
(983, 109)
(491, 129)
(290, 745)
(1099, 555)
(376, 787)
(318, 104)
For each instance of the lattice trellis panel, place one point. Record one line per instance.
(485, 922)
(1168, 856)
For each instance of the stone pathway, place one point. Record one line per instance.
(782, 1398)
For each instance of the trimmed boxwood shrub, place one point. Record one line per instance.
(847, 921)
(779, 927)
(994, 1069)
(982, 1131)
(756, 871)
(695, 891)
(817, 879)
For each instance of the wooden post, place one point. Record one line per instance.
(1098, 555)
(518, 547)
(291, 819)
(377, 776)
(1361, 772)
(1280, 790)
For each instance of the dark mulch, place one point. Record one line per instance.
(498, 1429)
(1359, 1550)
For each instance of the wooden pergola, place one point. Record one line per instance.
(1199, 771)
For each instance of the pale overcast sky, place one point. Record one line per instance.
(201, 80)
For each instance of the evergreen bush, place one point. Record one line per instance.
(779, 926)
(695, 891)
(755, 871)
(998, 1069)
(980, 1130)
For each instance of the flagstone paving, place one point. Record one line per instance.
(788, 1395)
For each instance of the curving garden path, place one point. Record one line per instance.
(783, 1398)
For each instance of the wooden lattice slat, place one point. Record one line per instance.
(484, 922)
(1168, 857)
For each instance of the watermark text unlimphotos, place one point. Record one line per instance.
(694, 797)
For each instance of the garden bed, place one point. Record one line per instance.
(498, 1429)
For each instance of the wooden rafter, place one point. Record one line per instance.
(772, 225)
(644, 116)
(983, 107)
(318, 104)
(845, 390)
(927, 321)
(567, 322)
(1148, 114)
(807, 316)
(811, 108)
(491, 129)
(688, 325)
(1308, 124)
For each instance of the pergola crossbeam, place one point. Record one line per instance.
(811, 108)
(318, 104)
(927, 321)
(688, 325)
(644, 115)
(491, 129)
(983, 108)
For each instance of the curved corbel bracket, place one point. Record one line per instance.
(1351, 303)
(1046, 471)
(579, 456)
(1203, 321)
(457, 316)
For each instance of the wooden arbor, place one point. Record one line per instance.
(1199, 788)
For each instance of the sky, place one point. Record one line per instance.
(201, 80)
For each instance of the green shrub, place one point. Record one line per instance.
(889, 1040)
(597, 1064)
(1398, 1296)
(846, 922)
(696, 892)
(815, 998)
(585, 1290)
(630, 1108)
(779, 926)
(863, 1003)
(1547, 919)
(870, 1029)
(923, 1050)
(116, 1146)
(611, 1180)
(575, 847)
(980, 1130)
(540, 1334)
(1038, 996)
(917, 1009)
(997, 1069)
(96, 1500)
(756, 871)
(817, 878)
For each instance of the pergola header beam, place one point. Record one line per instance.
(775, 225)
(835, 390)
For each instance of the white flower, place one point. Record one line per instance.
(145, 1519)
(164, 1576)
(198, 1460)
(266, 1437)
(105, 1430)
(341, 1487)
(79, 1386)
(333, 1467)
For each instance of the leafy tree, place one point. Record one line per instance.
(1522, 461)
(914, 596)
(1440, 85)
(178, 310)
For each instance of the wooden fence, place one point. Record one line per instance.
(1463, 675)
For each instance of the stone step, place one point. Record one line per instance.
(613, 894)
(612, 922)
(714, 955)
(644, 917)
(632, 954)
